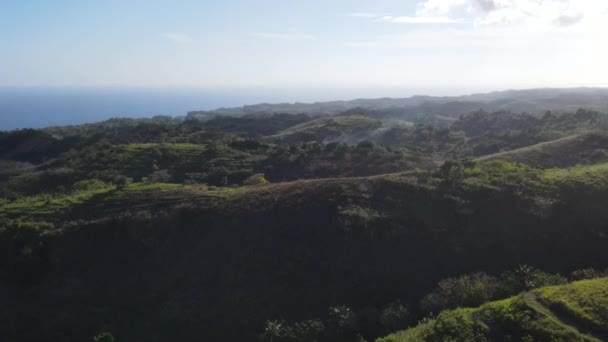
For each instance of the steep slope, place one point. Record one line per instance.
(584, 148)
(573, 312)
(172, 262)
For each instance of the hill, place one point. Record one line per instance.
(204, 263)
(352, 128)
(530, 101)
(296, 227)
(573, 312)
(584, 148)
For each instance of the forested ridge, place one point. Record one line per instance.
(333, 223)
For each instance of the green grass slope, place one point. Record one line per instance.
(583, 148)
(327, 128)
(573, 312)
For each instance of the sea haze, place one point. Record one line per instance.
(41, 107)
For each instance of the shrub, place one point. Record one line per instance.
(458, 326)
(161, 176)
(465, 291)
(122, 181)
(256, 179)
(394, 317)
(587, 273)
(525, 278)
(306, 331)
(88, 185)
(104, 337)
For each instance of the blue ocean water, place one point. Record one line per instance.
(36, 108)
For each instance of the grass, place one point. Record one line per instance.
(583, 148)
(333, 126)
(47, 204)
(574, 312)
(578, 173)
(154, 186)
(585, 302)
(179, 148)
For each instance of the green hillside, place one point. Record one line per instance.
(218, 246)
(330, 128)
(573, 312)
(584, 148)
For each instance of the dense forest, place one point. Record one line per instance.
(426, 219)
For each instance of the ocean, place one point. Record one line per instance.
(36, 108)
(43, 107)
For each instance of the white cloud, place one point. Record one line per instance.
(178, 38)
(421, 20)
(438, 7)
(478, 39)
(533, 14)
(414, 20)
(568, 20)
(363, 15)
(291, 35)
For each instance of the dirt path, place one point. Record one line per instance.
(532, 301)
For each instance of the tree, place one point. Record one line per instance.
(341, 323)
(308, 331)
(211, 151)
(104, 337)
(587, 273)
(88, 185)
(525, 278)
(452, 172)
(161, 176)
(365, 146)
(272, 331)
(394, 317)
(122, 181)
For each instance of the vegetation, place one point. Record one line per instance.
(345, 224)
(561, 313)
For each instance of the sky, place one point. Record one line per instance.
(473, 44)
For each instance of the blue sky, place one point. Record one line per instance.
(476, 44)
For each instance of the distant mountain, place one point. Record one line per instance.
(530, 101)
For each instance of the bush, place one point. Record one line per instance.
(122, 181)
(306, 331)
(394, 317)
(458, 326)
(256, 179)
(104, 337)
(465, 291)
(587, 273)
(525, 278)
(161, 176)
(88, 185)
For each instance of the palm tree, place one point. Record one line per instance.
(272, 330)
